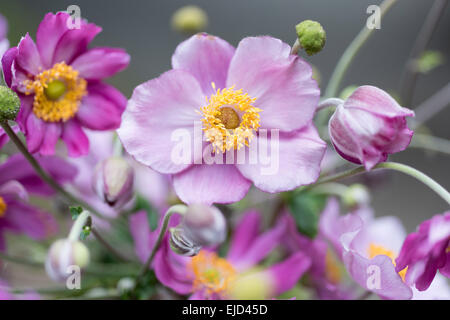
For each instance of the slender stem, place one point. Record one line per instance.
(42, 173)
(110, 248)
(433, 185)
(433, 105)
(331, 188)
(77, 227)
(179, 208)
(296, 47)
(427, 142)
(330, 102)
(18, 260)
(422, 41)
(350, 53)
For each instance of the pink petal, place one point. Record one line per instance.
(28, 56)
(76, 140)
(98, 112)
(208, 184)
(52, 134)
(141, 233)
(74, 42)
(49, 32)
(157, 110)
(7, 60)
(282, 83)
(290, 162)
(112, 60)
(35, 132)
(245, 233)
(207, 58)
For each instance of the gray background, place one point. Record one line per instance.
(143, 28)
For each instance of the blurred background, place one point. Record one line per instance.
(143, 29)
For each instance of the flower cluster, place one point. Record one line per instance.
(213, 175)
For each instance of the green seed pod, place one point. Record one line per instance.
(9, 104)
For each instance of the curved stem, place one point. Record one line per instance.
(433, 185)
(179, 208)
(330, 102)
(424, 37)
(42, 173)
(432, 106)
(351, 51)
(77, 227)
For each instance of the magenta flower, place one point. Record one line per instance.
(4, 43)
(207, 276)
(368, 247)
(426, 251)
(232, 96)
(59, 82)
(17, 180)
(368, 126)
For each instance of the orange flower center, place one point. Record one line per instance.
(3, 207)
(57, 93)
(375, 250)
(211, 273)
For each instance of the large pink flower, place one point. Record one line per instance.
(59, 82)
(228, 96)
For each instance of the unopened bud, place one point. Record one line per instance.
(181, 244)
(9, 104)
(252, 286)
(189, 19)
(64, 254)
(113, 181)
(356, 195)
(311, 36)
(204, 225)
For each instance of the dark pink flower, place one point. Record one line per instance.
(426, 251)
(59, 82)
(233, 95)
(17, 180)
(368, 126)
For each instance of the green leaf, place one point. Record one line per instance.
(152, 214)
(306, 207)
(75, 212)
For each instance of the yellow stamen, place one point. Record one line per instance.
(3, 207)
(211, 273)
(57, 93)
(230, 119)
(375, 250)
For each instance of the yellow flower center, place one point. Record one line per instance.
(3, 207)
(57, 93)
(211, 273)
(229, 119)
(375, 250)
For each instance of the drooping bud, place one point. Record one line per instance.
(311, 36)
(356, 195)
(63, 255)
(204, 225)
(181, 244)
(189, 19)
(113, 181)
(368, 126)
(9, 104)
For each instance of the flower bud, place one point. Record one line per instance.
(356, 195)
(181, 244)
(63, 254)
(204, 225)
(189, 19)
(9, 104)
(113, 181)
(311, 36)
(368, 126)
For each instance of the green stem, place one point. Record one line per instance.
(350, 53)
(179, 208)
(433, 185)
(427, 142)
(42, 173)
(21, 261)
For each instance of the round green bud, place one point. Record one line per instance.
(189, 19)
(356, 195)
(9, 104)
(311, 36)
